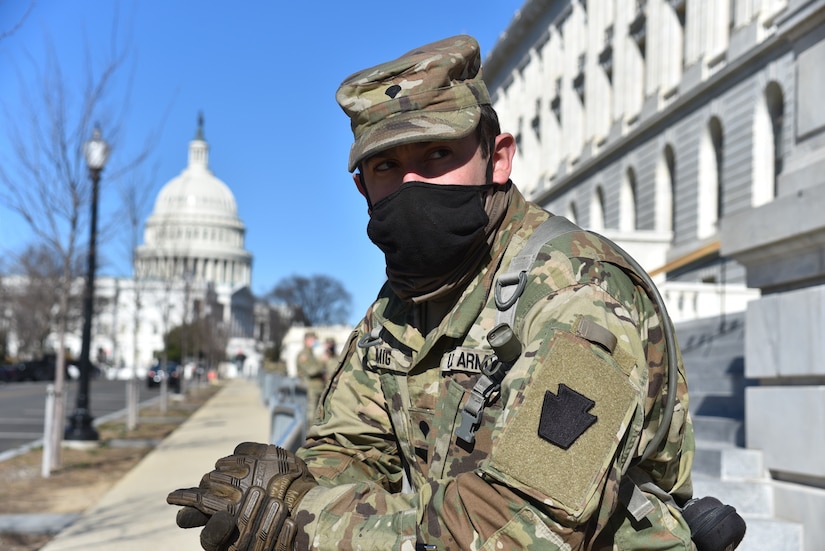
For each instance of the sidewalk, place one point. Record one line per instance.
(134, 515)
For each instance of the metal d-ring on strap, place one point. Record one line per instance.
(508, 280)
(517, 272)
(372, 338)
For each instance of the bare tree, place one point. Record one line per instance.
(5, 314)
(16, 27)
(278, 323)
(45, 180)
(318, 299)
(35, 299)
(206, 335)
(214, 335)
(135, 198)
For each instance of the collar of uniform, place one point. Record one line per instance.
(478, 292)
(393, 313)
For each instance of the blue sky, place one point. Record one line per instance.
(264, 74)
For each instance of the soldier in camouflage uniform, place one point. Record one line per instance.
(330, 357)
(313, 372)
(556, 454)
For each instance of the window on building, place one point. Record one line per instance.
(711, 167)
(633, 87)
(578, 81)
(680, 9)
(555, 103)
(666, 191)
(767, 153)
(606, 55)
(597, 210)
(638, 27)
(572, 212)
(715, 128)
(775, 100)
(628, 218)
(535, 123)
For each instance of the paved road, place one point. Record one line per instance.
(22, 406)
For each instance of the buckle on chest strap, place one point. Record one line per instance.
(507, 348)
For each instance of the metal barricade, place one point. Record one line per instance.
(286, 398)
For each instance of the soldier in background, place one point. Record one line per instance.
(330, 356)
(312, 371)
(434, 433)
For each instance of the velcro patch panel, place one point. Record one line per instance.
(538, 449)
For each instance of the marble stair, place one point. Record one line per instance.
(713, 352)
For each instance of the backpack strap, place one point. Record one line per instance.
(516, 275)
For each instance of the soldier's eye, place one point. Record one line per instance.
(439, 153)
(383, 166)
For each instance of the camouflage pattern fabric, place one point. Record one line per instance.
(394, 405)
(312, 370)
(431, 93)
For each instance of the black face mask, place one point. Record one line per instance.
(427, 232)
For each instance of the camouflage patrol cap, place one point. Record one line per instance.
(430, 93)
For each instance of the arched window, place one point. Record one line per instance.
(666, 190)
(775, 100)
(572, 212)
(711, 200)
(715, 129)
(768, 121)
(628, 216)
(597, 210)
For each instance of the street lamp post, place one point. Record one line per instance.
(80, 422)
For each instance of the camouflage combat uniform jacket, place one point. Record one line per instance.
(312, 370)
(395, 402)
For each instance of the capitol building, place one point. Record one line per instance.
(194, 231)
(192, 269)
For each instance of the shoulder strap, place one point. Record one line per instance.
(518, 271)
(507, 298)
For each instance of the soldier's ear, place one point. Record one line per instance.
(358, 178)
(359, 183)
(503, 151)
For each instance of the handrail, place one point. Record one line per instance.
(688, 258)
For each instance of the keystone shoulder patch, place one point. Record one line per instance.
(565, 417)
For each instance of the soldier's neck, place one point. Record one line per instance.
(428, 315)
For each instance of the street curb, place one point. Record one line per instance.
(26, 448)
(54, 523)
(37, 523)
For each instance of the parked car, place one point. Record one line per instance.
(10, 373)
(44, 370)
(36, 370)
(156, 374)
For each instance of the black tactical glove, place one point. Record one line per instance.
(245, 503)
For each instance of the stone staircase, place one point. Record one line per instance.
(737, 477)
(713, 352)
